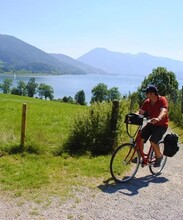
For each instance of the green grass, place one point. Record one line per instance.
(47, 125)
(37, 177)
(43, 174)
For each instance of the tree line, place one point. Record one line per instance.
(30, 89)
(100, 92)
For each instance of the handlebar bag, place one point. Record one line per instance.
(134, 119)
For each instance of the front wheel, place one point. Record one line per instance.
(124, 163)
(157, 170)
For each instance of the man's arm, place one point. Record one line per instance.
(140, 112)
(162, 114)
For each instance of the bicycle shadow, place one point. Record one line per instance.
(132, 187)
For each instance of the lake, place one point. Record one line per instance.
(69, 85)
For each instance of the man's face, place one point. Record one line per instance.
(148, 94)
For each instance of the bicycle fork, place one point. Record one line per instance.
(128, 159)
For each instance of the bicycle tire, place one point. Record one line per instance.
(157, 170)
(122, 169)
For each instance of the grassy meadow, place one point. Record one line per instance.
(37, 171)
(47, 125)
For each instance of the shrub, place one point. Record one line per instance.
(92, 132)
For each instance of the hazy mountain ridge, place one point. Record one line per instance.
(16, 55)
(126, 63)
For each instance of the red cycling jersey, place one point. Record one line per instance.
(153, 110)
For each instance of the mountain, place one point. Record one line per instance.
(86, 68)
(126, 63)
(16, 55)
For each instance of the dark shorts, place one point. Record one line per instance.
(155, 133)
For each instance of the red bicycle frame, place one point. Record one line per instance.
(137, 147)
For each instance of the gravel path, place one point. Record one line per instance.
(145, 197)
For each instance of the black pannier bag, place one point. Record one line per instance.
(170, 145)
(134, 119)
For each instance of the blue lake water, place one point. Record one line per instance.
(69, 85)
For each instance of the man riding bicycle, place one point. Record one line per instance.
(156, 107)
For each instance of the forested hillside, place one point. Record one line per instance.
(18, 56)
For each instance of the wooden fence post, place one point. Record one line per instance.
(23, 127)
(114, 121)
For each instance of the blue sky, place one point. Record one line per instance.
(74, 27)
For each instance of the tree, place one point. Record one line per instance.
(15, 91)
(164, 80)
(113, 94)
(80, 97)
(99, 93)
(68, 99)
(45, 91)
(65, 99)
(21, 89)
(5, 87)
(31, 87)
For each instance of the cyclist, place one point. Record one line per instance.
(156, 107)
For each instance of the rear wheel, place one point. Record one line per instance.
(123, 164)
(157, 170)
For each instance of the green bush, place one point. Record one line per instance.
(92, 130)
(121, 135)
